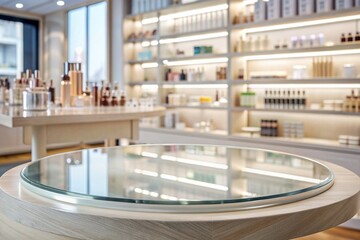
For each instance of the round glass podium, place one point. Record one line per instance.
(177, 178)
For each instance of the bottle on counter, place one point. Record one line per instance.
(95, 94)
(122, 99)
(16, 97)
(73, 79)
(65, 89)
(79, 79)
(51, 91)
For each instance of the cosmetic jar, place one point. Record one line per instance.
(35, 99)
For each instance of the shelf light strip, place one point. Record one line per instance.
(194, 12)
(197, 86)
(196, 61)
(305, 85)
(281, 175)
(149, 20)
(303, 54)
(301, 24)
(194, 37)
(150, 65)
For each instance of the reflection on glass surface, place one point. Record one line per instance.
(177, 174)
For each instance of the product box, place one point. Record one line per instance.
(260, 11)
(343, 4)
(324, 6)
(289, 8)
(306, 7)
(274, 9)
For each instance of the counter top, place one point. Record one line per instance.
(17, 117)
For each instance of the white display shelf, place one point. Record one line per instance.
(195, 107)
(135, 83)
(8, 71)
(316, 143)
(308, 143)
(275, 53)
(298, 19)
(216, 82)
(192, 33)
(139, 40)
(298, 81)
(308, 111)
(174, 8)
(132, 62)
(196, 57)
(8, 41)
(187, 131)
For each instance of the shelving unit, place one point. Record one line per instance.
(230, 119)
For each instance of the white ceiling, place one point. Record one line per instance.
(39, 6)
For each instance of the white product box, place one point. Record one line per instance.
(289, 8)
(343, 4)
(274, 9)
(306, 7)
(259, 11)
(324, 6)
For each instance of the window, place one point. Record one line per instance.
(87, 40)
(19, 45)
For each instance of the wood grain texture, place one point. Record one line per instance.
(315, 214)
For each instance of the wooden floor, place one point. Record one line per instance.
(331, 234)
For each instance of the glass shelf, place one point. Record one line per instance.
(177, 178)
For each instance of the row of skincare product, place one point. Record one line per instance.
(322, 67)
(349, 140)
(269, 128)
(293, 129)
(350, 38)
(247, 99)
(200, 22)
(141, 6)
(285, 99)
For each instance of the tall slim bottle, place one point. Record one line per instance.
(79, 79)
(73, 78)
(65, 90)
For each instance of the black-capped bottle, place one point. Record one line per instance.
(51, 91)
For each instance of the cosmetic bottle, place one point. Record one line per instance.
(65, 90)
(270, 100)
(51, 91)
(2, 91)
(350, 37)
(266, 99)
(303, 100)
(265, 43)
(73, 78)
(7, 90)
(102, 89)
(15, 97)
(79, 79)
(357, 37)
(182, 75)
(122, 99)
(343, 38)
(95, 94)
(28, 74)
(168, 75)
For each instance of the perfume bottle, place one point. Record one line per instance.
(51, 91)
(65, 90)
(95, 94)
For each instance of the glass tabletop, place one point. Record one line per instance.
(178, 175)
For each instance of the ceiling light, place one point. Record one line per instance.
(19, 5)
(60, 3)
